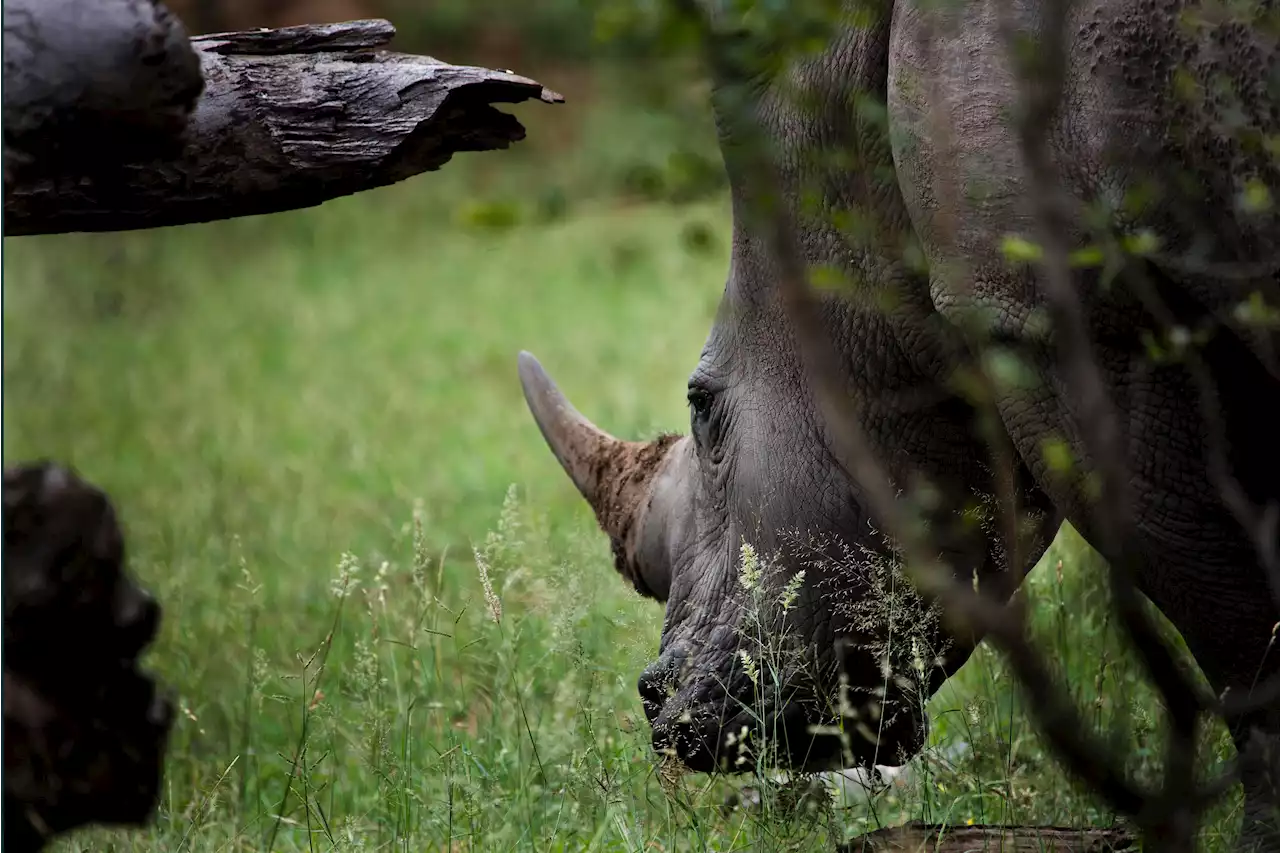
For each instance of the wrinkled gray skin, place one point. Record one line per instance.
(946, 176)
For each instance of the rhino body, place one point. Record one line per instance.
(939, 166)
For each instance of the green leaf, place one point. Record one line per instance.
(828, 277)
(1256, 197)
(1057, 454)
(489, 215)
(1087, 258)
(1020, 250)
(1007, 370)
(1142, 243)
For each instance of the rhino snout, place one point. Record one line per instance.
(705, 710)
(665, 678)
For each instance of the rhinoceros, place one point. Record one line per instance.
(907, 114)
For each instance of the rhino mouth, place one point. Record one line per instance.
(718, 719)
(709, 703)
(706, 741)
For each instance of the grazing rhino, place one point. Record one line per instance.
(940, 165)
(85, 731)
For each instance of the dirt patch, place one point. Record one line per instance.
(625, 471)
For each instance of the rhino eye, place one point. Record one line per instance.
(699, 403)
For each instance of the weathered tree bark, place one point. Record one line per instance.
(85, 79)
(924, 838)
(288, 118)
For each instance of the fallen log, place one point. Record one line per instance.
(917, 837)
(288, 118)
(87, 79)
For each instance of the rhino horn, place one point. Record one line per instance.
(613, 475)
(581, 447)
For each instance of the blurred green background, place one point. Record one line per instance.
(312, 427)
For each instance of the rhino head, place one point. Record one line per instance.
(758, 465)
(753, 470)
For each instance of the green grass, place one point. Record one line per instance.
(309, 423)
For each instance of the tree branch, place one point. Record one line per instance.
(289, 118)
